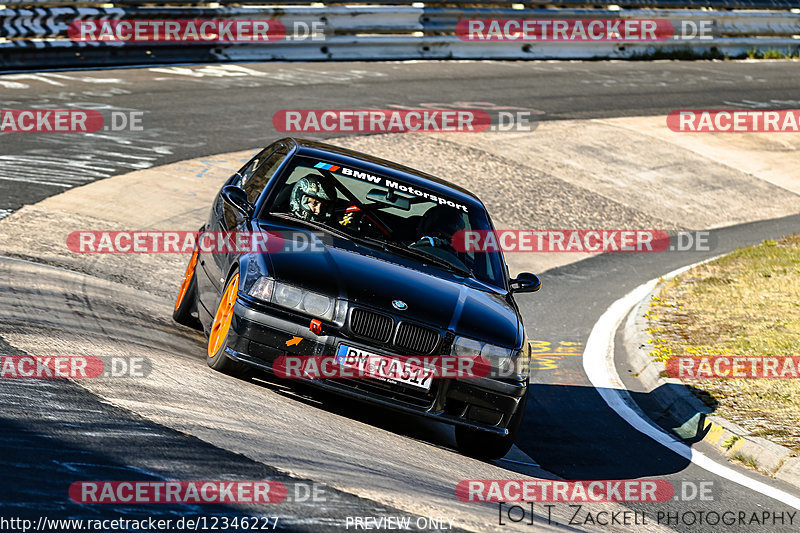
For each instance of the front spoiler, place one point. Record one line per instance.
(255, 329)
(326, 385)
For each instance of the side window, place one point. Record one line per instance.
(255, 182)
(246, 172)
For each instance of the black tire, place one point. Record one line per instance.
(485, 445)
(222, 363)
(185, 312)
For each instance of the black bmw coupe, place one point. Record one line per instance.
(364, 266)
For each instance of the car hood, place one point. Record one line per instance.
(375, 279)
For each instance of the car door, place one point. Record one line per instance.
(252, 177)
(214, 266)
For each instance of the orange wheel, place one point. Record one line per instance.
(187, 279)
(185, 311)
(222, 320)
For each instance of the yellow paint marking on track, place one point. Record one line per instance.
(545, 355)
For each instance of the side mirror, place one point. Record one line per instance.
(526, 282)
(237, 198)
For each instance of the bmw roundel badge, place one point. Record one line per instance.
(400, 305)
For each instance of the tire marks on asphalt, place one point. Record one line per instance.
(55, 432)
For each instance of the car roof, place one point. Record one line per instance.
(377, 165)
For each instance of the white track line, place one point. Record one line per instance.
(598, 363)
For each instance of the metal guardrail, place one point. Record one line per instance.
(53, 22)
(37, 37)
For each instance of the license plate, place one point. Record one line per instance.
(384, 368)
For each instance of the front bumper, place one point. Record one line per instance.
(257, 338)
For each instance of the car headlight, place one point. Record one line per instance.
(317, 304)
(291, 297)
(262, 289)
(287, 296)
(498, 357)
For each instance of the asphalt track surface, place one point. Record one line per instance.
(193, 111)
(54, 433)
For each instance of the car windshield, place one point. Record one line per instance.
(406, 220)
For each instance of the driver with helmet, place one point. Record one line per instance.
(312, 198)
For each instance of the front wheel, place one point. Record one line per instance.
(220, 328)
(484, 445)
(186, 302)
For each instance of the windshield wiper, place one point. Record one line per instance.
(315, 225)
(333, 230)
(417, 254)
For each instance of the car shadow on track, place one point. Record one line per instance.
(414, 427)
(568, 430)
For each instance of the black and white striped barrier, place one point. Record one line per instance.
(528, 4)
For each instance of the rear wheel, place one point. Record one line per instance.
(186, 302)
(485, 445)
(220, 328)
